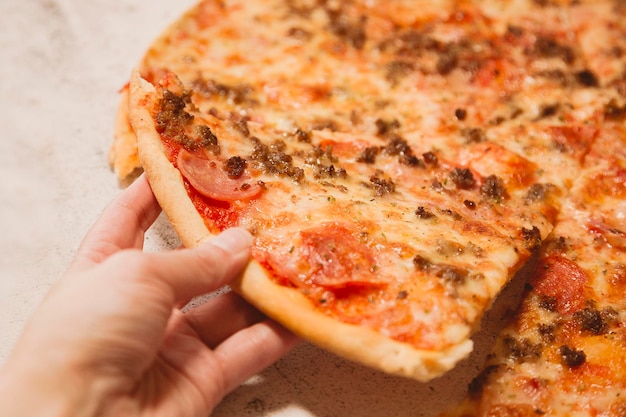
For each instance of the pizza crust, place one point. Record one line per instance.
(123, 153)
(165, 180)
(292, 309)
(285, 305)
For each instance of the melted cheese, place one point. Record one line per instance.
(476, 127)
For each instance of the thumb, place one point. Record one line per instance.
(208, 267)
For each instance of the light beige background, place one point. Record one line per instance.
(61, 65)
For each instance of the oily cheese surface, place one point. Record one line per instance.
(564, 351)
(284, 304)
(397, 165)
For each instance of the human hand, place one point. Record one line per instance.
(111, 340)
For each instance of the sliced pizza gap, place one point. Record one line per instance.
(564, 352)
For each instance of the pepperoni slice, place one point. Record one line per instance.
(209, 178)
(337, 258)
(329, 256)
(563, 280)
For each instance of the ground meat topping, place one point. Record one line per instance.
(537, 192)
(469, 204)
(522, 349)
(171, 118)
(368, 155)
(382, 186)
(448, 60)
(449, 273)
(587, 78)
(424, 213)
(302, 136)
(234, 94)
(321, 124)
(324, 163)
(532, 237)
(473, 135)
(462, 178)
(352, 31)
(550, 48)
(613, 111)
(514, 31)
(547, 332)
(493, 188)
(571, 357)
(430, 158)
(460, 114)
(547, 302)
(591, 321)
(397, 69)
(548, 110)
(275, 161)
(240, 123)
(398, 146)
(329, 171)
(451, 213)
(385, 127)
(235, 167)
(402, 295)
(207, 139)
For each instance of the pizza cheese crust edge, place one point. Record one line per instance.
(283, 304)
(123, 154)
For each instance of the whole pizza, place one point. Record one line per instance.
(397, 163)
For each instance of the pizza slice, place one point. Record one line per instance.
(390, 262)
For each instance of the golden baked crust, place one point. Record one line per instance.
(165, 180)
(357, 343)
(123, 153)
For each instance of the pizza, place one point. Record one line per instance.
(564, 351)
(397, 162)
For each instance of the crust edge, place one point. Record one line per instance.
(363, 345)
(123, 153)
(165, 180)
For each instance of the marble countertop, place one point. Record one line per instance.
(61, 67)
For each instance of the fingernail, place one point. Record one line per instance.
(233, 240)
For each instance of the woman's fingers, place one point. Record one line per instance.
(186, 273)
(121, 225)
(221, 317)
(208, 267)
(251, 350)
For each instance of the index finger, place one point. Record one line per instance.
(121, 225)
